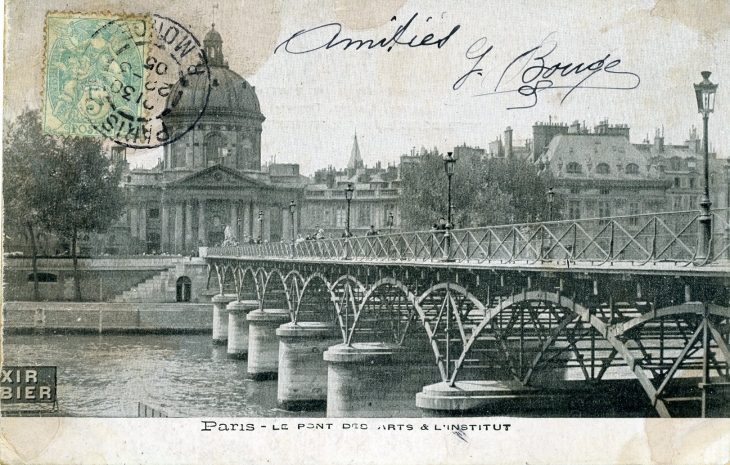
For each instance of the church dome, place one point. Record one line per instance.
(230, 94)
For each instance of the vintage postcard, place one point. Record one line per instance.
(366, 232)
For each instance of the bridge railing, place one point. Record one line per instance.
(639, 239)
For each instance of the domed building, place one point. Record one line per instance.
(209, 186)
(228, 132)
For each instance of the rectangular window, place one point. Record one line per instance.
(575, 190)
(677, 183)
(573, 209)
(677, 200)
(633, 211)
(604, 211)
(363, 217)
(604, 191)
(340, 218)
(153, 213)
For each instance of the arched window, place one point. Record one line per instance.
(574, 167)
(603, 168)
(215, 149)
(632, 168)
(182, 287)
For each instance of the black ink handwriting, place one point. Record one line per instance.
(537, 75)
(309, 40)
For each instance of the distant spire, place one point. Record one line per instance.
(355, 157)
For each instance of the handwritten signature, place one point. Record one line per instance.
(327, 36)
(536, 75)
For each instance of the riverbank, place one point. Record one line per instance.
(101, 317)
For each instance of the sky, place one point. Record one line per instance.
(403, 98)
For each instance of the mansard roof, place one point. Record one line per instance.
(591, 150)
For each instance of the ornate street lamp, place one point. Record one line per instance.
(292, 208)
(705, 92)
(348, 196)
(550, 200)
(449, 166)
(390, 222)
(261, 228)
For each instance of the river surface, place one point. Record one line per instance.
(181, 375)
(185, 375)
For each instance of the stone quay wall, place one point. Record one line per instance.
(100, 317)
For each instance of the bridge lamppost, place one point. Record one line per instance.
(348, 196)
(390, 222)
(550, 201)
(449, 165)
(705, 93)
(261, 227)
(292, 208)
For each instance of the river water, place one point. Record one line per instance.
(185, 375)
(181, 375)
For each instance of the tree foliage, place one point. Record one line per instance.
(82, 192)
(65, 186)
(23, 179)
(23, 175)
(484, 192)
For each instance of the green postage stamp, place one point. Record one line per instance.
(94, 67)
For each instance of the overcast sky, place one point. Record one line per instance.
(314, 102)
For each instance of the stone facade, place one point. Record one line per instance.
(600, 173)
(210, 186)
(375, 199)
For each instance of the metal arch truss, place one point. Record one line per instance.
(527, 326)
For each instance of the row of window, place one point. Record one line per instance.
(684, 202)
(604, 209)
(601, 168)
(679, 184)
(360, 217)
(601, 190)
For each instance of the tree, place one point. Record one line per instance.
(82, 193)
(484, 192)
(24, 150)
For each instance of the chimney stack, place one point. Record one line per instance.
(659, 140)
(508, 142)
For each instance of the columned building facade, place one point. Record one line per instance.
(209, 187)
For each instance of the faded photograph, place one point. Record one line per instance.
(390, 209)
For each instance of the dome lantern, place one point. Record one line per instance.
(213, 45)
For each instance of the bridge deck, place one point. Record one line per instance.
(664, 243)
(716, 269)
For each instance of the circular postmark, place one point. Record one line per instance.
(173, 59)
